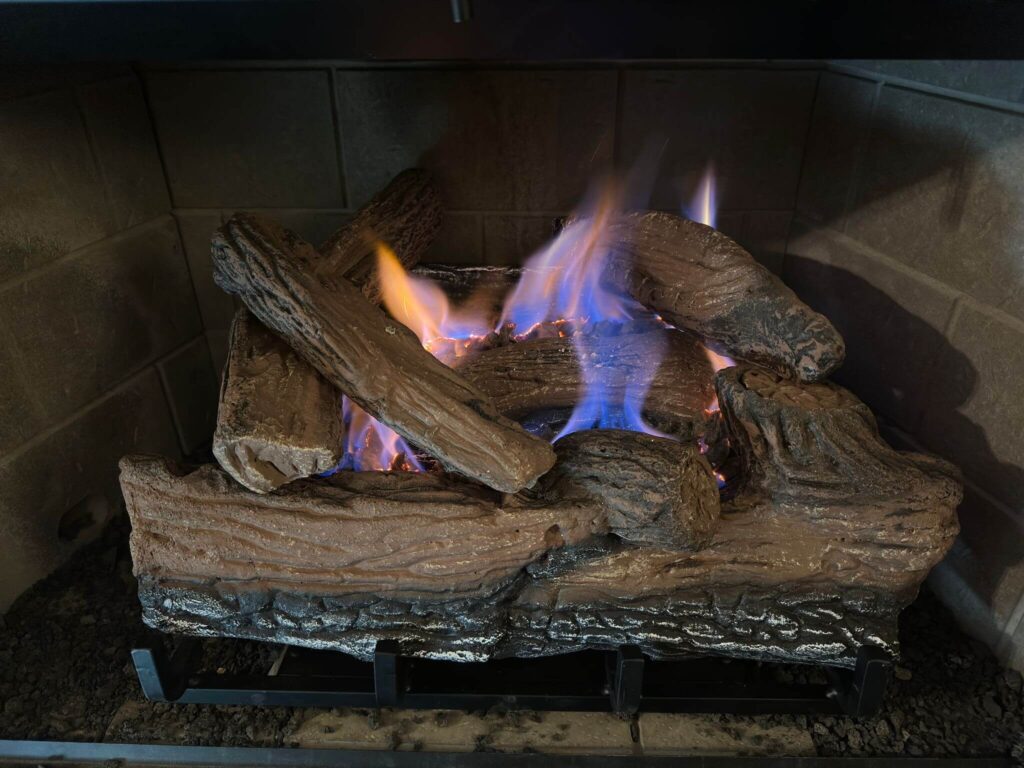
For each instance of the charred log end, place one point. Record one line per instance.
(655, 491)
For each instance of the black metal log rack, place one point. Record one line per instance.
(622, 681)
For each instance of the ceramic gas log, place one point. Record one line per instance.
(279, 419)
(415, 535)
(809, 561)
(701, 280)
(530, 376)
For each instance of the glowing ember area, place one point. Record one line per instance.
(372, 446)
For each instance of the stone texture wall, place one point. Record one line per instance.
(515, 148)
(909, 235)
(101, 341)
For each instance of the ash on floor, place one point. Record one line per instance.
(65, 673)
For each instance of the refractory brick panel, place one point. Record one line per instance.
(91, 321)
(77, 462)
(498, 140)
(247, 138)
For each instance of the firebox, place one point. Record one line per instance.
(548, 369)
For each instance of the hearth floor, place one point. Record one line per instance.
(65, 674)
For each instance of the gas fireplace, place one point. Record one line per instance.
(519, 367)
(369, 488)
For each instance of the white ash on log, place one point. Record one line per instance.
(779, 579)
(278, 418)
(701, 280)
(375, 360)
(529, 376)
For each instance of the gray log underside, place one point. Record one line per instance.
(799, 624)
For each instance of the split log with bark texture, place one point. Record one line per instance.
(406, 215)
(278, 418)
(817, 444)
(375, 360)
(529, 376)
(405, 533)
(699, 279)
(780, 578)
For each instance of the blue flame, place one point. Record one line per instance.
(568, 280)
(599, 407)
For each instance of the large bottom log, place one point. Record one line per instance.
(830, 537)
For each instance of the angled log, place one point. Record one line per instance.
(530, 376)
(278, 418)
(406, 215)
(376, 361)
(701, 280)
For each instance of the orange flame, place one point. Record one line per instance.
(422, 307)
(703, 207)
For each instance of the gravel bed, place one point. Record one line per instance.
(65, 673)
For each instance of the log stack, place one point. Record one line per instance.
(279, 419)
(519, 547)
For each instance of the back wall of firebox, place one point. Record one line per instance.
(887, 194)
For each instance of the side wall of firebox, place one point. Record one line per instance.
(909, 235)
(102, 350)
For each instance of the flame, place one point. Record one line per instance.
(704, 206)
(564, 280)
(422, 307)
(370, 445)
(718, 362)
(564, 291)
(567, 281)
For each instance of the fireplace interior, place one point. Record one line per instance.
(494, 363)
